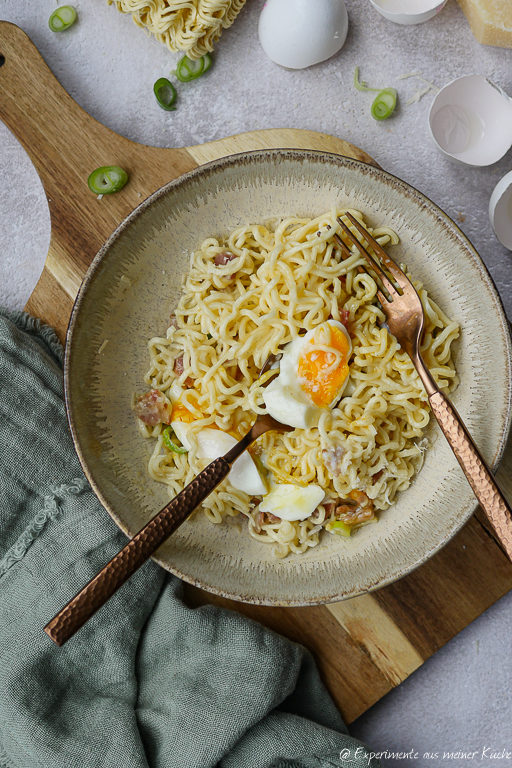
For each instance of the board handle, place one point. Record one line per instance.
(47, 122)
(65, 145)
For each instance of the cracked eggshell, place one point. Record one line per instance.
(408, 11)
(299, 33)
(471, 121)
(500, 211)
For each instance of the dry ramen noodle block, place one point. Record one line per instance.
(352, 394)
(192, 26)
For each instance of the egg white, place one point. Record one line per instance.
(291, 502)
(212, 443)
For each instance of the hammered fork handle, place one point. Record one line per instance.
(146, 542)
(478, 474)
(135, 553)
(474, 467)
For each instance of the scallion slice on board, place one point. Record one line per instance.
(188, 70)
(62, 18)
(107, 180)
(165, 93)
(166, 436)
(384, 104)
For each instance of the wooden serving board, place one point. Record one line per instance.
(365, 646)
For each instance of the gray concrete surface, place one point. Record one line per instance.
(460, 699)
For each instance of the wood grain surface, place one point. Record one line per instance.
(365, 646)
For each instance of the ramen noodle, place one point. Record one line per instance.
(244, 298)
(192, 26)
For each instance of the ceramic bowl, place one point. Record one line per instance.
(133, 285)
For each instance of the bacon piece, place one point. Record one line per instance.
(330, 508)
(332, 459)
(265, 518)
(344, 316)
(153, 408)
(221, 259)
(178, 366)
(358, 508)
(361, 498)
(173, 322)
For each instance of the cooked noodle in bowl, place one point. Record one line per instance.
(252, 295)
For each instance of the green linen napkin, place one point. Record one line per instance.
(148, 681)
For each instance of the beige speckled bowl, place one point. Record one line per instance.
(151, 248)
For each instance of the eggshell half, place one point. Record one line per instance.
(298, 33)
(500, 211)
(408, 11)
(471, 121)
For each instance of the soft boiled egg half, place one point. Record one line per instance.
(212, 443)
(291, 502)
(312, 377)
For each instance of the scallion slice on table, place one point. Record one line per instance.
(62, 18)
(361, 85)
(165, 93)
(207, 63)
(384, 104)
(166, 436)
(107, 180)
(188, 70)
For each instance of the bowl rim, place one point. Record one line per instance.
(230, 160)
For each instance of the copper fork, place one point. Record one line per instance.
(405, 320)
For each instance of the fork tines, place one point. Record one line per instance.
(384, 280)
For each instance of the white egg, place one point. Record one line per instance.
(299, 33)
(212, 443)
(290, 502)
(288, 398)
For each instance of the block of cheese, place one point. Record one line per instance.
(490, 20)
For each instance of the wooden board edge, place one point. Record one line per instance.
(277, 138)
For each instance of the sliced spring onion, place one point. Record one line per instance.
(361, 85)
(188, 70)
(107, 180)
(384, 104)
(207, 62)
(341, 528)
(62, 18)
(165, 93)
(166, 436)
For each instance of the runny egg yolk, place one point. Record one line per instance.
(324, 369)
(181, 413)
